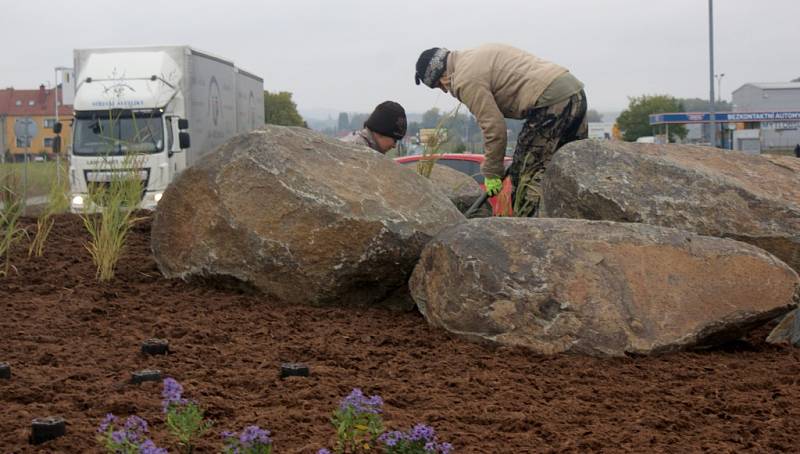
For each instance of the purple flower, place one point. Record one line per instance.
(133, 430)
(119, 436)
(135, 424)
(323, 451)
(392, 438)
(228, 434)
(107, 422)
(419, 437)
(148, 447)
(421, 432)
(172, 390)
(172, 394)
(360, 403)
(253, 435)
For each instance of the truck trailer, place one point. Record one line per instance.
(166, 105)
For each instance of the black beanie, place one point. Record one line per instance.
(431, 64)
(388, 119)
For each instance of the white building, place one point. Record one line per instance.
(767, 97)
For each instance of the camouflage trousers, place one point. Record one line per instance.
(546, 129)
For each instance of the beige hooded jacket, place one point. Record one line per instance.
(496, 81)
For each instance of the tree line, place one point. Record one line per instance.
(465, 134)
(634, 122)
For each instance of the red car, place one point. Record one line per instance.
(470, 164)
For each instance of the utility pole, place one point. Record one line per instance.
(713, 123)
(55, 91)
(722, 130)
(58, 154)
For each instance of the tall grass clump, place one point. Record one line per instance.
(109, 214)
(110, 211)
(432, 150)
(57, 202)
(12, 205)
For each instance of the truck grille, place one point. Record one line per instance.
(104, 178)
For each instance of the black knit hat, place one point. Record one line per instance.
(431, 64)
(389, 119)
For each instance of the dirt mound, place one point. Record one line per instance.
(72, 344)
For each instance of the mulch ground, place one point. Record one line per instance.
(72, 344)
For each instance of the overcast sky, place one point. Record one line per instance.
(349, 56)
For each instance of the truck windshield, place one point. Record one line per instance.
(104, 134)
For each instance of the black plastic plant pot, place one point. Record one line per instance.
(141, 376)
(5, 371)
(294, 370)
(46, 429)
(155, 347)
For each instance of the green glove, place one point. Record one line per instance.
(493, 186)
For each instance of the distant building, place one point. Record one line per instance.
(767, 97)
(39, 106)
(599, 130)
(427, 136)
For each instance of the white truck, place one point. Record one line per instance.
(146, 101)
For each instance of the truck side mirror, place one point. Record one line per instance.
(183, 140)
(183, 124)
(57, 128)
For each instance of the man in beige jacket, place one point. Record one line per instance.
(495, 82)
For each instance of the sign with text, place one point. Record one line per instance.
(724, 117)
(25, 129)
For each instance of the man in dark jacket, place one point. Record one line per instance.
(797, 150)
(497, 81)
(384, 127)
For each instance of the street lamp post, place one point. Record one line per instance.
(719, 101)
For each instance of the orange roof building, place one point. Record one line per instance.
(39, 106)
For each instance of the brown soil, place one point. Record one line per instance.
(72, 344)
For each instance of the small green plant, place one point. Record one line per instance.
(359, 429)
(358, 423)
(57, 202)
(252, 440)
(12, 205)
(131, 438)
(431, 150)
(184, 417)
(421, 439)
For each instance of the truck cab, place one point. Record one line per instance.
(144, 102)
(103, 137)
(127, 104)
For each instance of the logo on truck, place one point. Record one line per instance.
(252, 102)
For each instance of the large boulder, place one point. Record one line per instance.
(787, 332)
(597, 288)
(300, 216)
(755, 199)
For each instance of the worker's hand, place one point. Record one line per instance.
(493, 186)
